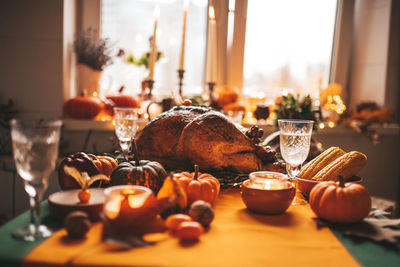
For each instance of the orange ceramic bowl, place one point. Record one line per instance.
(275, 201)
(305, 185)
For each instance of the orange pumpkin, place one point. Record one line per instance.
(198, 186)
(104, 164)
(340, 202)
(83, 107)
(124, 101)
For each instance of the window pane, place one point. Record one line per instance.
(130, 23)
(288, 45)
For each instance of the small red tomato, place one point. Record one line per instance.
(189, 231)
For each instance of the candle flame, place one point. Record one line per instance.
(186, 5)
(211, 13)
(157, 11)
(136, 201)
(267, 185)
(112, 207)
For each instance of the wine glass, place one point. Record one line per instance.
(35, 147)
(125, 127)
(295, 138)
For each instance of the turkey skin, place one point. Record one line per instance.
(188, 135)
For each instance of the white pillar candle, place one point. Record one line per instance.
(153, 53)
(182, 57)
(211, 63)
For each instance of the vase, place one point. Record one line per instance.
(87, 80)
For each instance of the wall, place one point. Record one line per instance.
(368, 70)
(31, 34)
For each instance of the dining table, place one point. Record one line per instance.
(236, 237)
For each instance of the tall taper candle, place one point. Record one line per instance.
(211, 63)
(153, 53)
(182, 58)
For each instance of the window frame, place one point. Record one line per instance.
(230, 59)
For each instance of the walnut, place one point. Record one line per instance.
(77, 224)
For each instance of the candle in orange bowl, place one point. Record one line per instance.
(130, 210)
(267, 192)
(211, 63)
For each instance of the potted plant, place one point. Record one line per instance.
(93, 55)
(143, 60)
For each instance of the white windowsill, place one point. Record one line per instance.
(84, 125)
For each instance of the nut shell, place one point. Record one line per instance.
(202, 212)
(77, 224)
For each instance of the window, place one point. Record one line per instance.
(288, 45)
(129, 25)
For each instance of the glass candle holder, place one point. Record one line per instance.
(129, 210)
(267, 192)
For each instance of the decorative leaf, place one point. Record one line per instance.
(97, 178)
(74, 173)
(83, 178)
(381, 230)
(377, 229)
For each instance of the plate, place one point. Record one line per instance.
(63, 202)
(305, 185)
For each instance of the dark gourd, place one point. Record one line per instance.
(147, 173)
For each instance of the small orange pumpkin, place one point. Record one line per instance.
(340, 202)
(83, 107)
(198, 186)
(104, 164)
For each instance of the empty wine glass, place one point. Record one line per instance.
(295, 139)
(35, 147)
(125, 127)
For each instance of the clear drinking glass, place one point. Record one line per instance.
(125, 127)
(35, 147)
(295, 139)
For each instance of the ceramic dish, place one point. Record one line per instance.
(63, 202)
(305, 185)
(263, 201)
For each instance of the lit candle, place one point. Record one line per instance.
(153, 53)
(129, 210)
(211, 63)
(182, 58)
(270, 184)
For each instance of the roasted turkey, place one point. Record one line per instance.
(188, 135)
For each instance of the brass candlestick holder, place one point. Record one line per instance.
(180, 76)
(211, 86)
(150, 84)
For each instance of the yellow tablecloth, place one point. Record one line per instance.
(237, 237)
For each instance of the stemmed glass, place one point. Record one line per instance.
(295, 138)
(125, 127)
(35, 147)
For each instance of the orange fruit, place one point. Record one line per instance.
(173, 221)
(189, 231)
(84, 196)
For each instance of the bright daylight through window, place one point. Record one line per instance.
(129, 25)
(288, 46)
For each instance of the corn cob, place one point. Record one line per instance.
(347, 166)
(318, 163)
